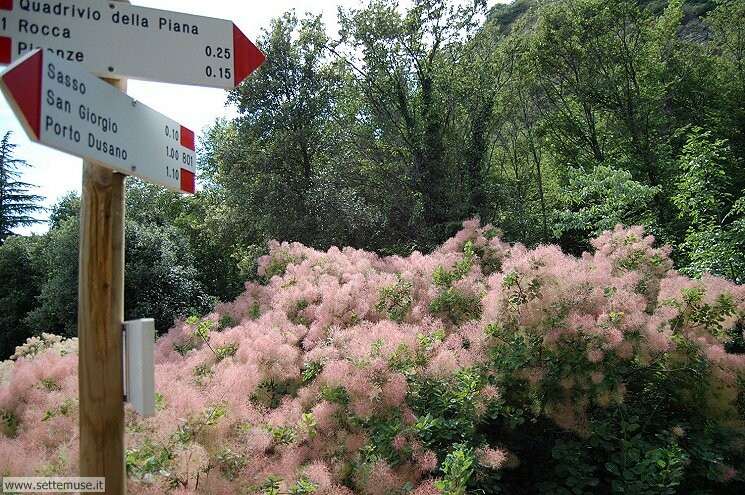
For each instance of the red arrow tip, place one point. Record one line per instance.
(6, 50)
(187, 138)
(24, 84)
(248, 58)
(187, 181)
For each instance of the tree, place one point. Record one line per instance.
(66, 207)
(726, 53)
(405, 67)
(598, 201)
(202, 221)
(267, 161)
(17, 204)
(521, 170)
(20, 286)
(162, 280)
(715, 239)
(56, 307)
(605, 71)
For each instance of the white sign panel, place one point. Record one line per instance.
(115, 39)
(64, 107)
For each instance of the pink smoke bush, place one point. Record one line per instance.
(285, 389)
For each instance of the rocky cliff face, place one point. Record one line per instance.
(505, 16)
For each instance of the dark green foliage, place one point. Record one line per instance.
(196, 224)
(230, 463)
(447, 409)
(163, 279)
(161, 276)
(9, 424)
(21, 278)
(457, 306)
(715, 240)
(66, 207)
(628, 447)
(225, 351)
(226, 321)
(454, 304)
(295, 315)
(150, 458)
(457, 469)
(395, 301)
(17, 204)
(311, 370)
(56, 307)
(599, 200)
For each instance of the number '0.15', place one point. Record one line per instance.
(221, 72)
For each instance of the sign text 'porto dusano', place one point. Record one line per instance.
(114, 39)
(64, 107)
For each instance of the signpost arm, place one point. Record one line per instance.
(100, 323)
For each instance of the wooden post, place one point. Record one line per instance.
(100, 321)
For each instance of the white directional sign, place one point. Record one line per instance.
(115, 39)
(64, 107)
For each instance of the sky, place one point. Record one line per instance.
(55, 173)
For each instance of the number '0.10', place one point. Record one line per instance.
(173, 133)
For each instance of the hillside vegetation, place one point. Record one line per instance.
(378, 344)
(552, 120)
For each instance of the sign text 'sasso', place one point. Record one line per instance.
(113, 39)
(64, 107)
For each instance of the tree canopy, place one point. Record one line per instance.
(17, 204)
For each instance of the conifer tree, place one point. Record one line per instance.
(17, 204)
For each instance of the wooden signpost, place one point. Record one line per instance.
(115, 40)
(63, 106)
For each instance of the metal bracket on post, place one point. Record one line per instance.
(124, 361)
(139, 365)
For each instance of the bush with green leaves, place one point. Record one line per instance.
(598, 200)
(715, 239)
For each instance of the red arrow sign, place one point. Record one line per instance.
(248, 58)
(63, 106)
(113, 39)
(24, 83)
